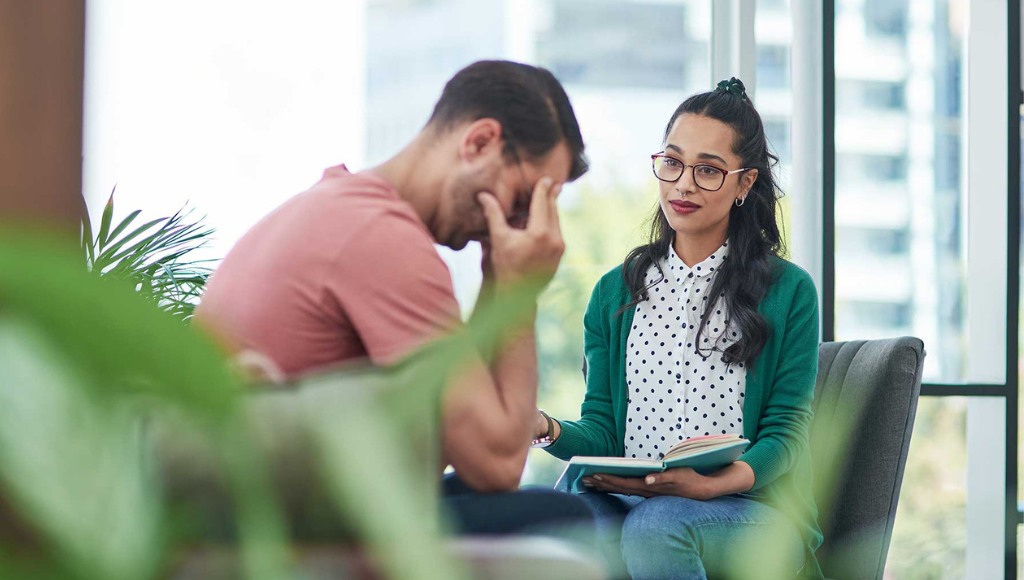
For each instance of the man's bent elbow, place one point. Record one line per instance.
(494, 475)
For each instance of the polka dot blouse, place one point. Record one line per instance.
(678, 385)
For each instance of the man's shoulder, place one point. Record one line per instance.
(355, 205)
(356, 192)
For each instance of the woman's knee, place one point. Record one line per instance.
(659, 525)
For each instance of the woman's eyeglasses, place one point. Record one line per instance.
(707, 177)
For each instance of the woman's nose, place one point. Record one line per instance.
(685, 183)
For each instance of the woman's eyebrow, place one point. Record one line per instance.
(711, 156)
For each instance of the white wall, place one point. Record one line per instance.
(231, 105)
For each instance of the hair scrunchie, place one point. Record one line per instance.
(733, 86)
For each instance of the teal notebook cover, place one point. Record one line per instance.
(704, 463)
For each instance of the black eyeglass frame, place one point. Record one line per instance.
(693, 170)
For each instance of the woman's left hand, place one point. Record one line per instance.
(678, 481)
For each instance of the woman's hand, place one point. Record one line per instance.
(678, 481)
(737, 477)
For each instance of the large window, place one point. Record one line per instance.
(623, 85)
(773, 31)
(900, 260)
(920, 238)
(623, 104)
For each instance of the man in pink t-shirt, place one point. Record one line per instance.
(348, 270)
(345, 270)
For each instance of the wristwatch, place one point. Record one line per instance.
(546, 440)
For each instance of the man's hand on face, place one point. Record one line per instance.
(533, 251)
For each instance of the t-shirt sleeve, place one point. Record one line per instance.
(393, 287)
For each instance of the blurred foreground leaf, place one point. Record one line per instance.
(72, 464)
(87, 362)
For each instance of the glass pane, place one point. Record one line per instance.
(1020, 551)
(624, 87)
(929, 540)
(773, 32)
(900, 259)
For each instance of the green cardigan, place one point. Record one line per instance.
(776, 409)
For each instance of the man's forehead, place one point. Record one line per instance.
(556, 164)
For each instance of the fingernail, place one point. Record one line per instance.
(649, 480)
(588, 484)
(598, 477)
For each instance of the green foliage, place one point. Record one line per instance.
(107, 399)
(67, 462)
(151, 256)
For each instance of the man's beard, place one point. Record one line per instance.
(467, 215)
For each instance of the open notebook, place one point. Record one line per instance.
(703, 454)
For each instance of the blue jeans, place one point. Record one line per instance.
(684, 539)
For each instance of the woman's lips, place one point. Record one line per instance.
(683, 207)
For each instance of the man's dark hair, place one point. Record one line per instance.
(528, 101)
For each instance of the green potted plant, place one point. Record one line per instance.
(155, 257)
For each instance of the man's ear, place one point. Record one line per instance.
(481, 138)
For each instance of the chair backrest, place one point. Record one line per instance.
(865, 400)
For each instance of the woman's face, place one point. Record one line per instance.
(690, 209)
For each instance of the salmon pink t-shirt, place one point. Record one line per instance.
(345, 270)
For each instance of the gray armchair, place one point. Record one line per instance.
(865, 400)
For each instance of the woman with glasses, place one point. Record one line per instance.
(706, 330)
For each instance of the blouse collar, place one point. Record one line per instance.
(681, 271)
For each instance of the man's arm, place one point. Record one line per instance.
(397, 294)
(489, 415)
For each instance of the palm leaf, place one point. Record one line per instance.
(143, 246)
(87, 242)
(124, 224)
(152, 257)
(108, 213)
(107, 252)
